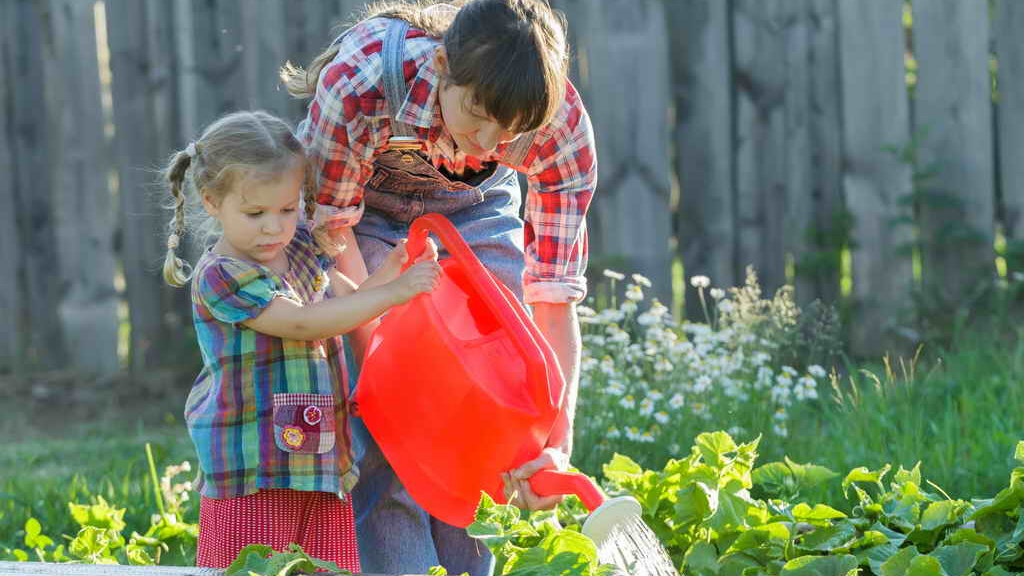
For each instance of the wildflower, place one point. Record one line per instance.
(647, 319)
(641, 280)
(646, 407)
(613, 432)
(663, 365)
(608, 366)
(703, 384)
(614, 275)
(647, 437)
(629, 306)
(717, 293)
(816, 371)
(780, 430)
(676, 401)
(661, 417)
(789, 370)
(628, 402)
(736, 431)
(619, 337)
(615, 388)
(634, 293)
(655, 395)
(726, 306)
(700, 282)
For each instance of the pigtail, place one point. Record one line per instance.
(176, 270)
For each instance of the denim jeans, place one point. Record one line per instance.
(395, 535)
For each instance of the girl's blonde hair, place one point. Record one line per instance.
(238, 145)
(513, 54)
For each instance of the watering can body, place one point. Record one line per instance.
(458, 385)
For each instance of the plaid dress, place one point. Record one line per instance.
(266, 412)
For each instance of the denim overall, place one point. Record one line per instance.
(396, 536)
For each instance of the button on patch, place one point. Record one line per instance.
(293, 437)
(312, 415)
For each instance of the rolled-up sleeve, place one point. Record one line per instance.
(337, 138)
(562, 176)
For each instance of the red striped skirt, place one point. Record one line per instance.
(320, 522)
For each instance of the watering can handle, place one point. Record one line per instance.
(486, 287)
(555, 483)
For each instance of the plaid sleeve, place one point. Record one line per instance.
(562, 176)
(234, 291)
(337, 139)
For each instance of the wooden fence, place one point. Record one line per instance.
(782, 134)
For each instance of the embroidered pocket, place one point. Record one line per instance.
(304, 423)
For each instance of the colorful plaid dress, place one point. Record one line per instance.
(266, 412)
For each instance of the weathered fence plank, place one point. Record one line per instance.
(818, 275)
(32, 147)
(263, 53)
(10, 247)
(953, 117)
(1010, 125)
(146, 131)
(627, 97)
(82, 199)
(702, 98)
(876, 115)
(759, 148)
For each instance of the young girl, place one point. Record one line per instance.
(425, 107)
(267, 414)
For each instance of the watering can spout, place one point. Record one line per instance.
(605, 513)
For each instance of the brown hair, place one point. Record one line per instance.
(513, 54)
(238, 145)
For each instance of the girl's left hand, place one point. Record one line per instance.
(517, 485)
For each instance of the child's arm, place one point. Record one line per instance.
(286, 318)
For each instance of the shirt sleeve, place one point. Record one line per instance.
(337, 140)
(562, 176)
(234, 291)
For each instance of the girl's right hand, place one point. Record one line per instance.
(419, 278)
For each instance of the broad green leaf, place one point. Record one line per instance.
(757, 537)
(810, 475)
(925, 566)
(899, 563)
(862, 474)
(875, 556)
(829, 538)
(959, 559)
(248, 559)
(1018, 454)
(817, 515)
(695, 503)
(701, 559)
(970, 535)
(821, 566)
(713, 446)
(775, 478)
(101, 515)
(998, 570)
(1008, 499)
(21, 555)
(943, 514)
(621, 468)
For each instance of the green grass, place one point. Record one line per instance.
(40, 475)
(958, 413)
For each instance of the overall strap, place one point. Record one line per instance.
(403, 136)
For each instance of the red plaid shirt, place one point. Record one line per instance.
(348, 123)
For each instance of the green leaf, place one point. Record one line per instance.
(997, 571)
(821, 566)
(959, 560)
(1018, 454)
(713, 447)
(759, 536)
(817, 515)
(899, 563)
(903, 476)
(21, 555)
(970, 535)
(829, 538)
(943, 514)
(701, 559)
(925, 566)
(621, 468)
(101, 515)
(250, 559)
(695, 503)
(862, 474)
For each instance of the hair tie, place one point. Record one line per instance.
(192, 150)
(172, 241)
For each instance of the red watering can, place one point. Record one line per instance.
(458, 386)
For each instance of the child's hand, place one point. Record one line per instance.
(391, 267)
(419, 278)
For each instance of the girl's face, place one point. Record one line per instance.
(474, 132)
(258, 216)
